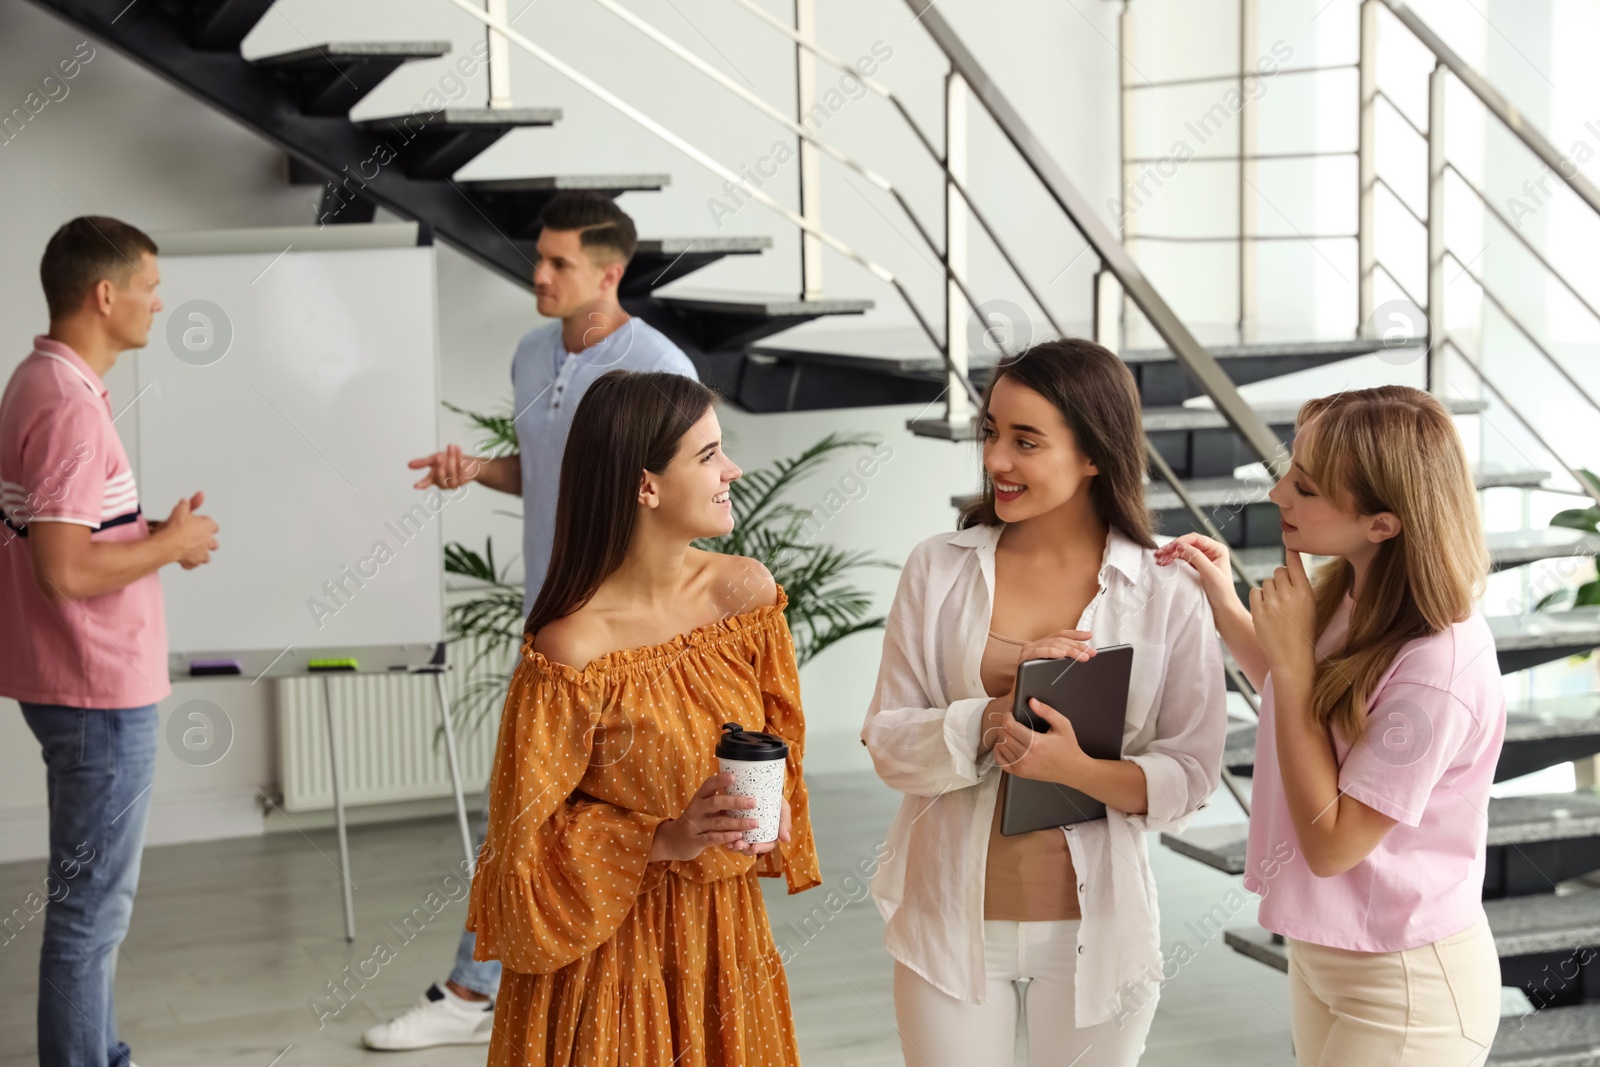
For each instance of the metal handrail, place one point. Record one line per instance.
(1199, 363)
(1185, 348)
(1402, 202)
(1523, 240)
(1206, 79)
(1498, 106)
(1330, 153)
(1589, 488)
(1173, 238)
(1524, 331)
(882, 183)
(1398, 110)
(1379, 264)
(705, 160)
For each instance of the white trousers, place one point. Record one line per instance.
(938, 1030)
(1436, 1005)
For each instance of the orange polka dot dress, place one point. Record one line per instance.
(611, 960)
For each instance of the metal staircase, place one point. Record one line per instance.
(1540, 885)
(1210, 462)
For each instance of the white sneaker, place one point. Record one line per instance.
(436, 1019)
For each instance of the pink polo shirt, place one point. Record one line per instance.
(1434, 728)
(61, 461)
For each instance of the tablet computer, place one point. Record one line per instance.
(1093, 696)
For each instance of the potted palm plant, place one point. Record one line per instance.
(484, 620)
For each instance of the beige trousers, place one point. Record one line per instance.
(1433, 1006)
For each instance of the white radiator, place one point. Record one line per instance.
(390, 747)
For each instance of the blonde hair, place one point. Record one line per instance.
(1391, 449)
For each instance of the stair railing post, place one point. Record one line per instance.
(958, 405)
(810, 168)
(1126, 142)
(1436, 247)
(1108, 307)
(1248, 33)
(1366, 163)
(499, 64)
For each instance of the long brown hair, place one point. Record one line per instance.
(1097, 396)
(626, 423)
(1394, 449)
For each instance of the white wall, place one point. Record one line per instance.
(121, 142)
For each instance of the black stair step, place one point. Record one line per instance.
(660, 260)
(1222, 847)
(515, 203)
(1536, 637)
(435, 146)
(1162, 379)
(1534, 842)
(330, 79)
(1197, 442)
(1163, 419)
(1541, 733)
(727, 320)
(1259, 944)
(155, 34)
(218, 25)
(1517, 548)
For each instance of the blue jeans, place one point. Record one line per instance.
(100, 765)
(480, 976)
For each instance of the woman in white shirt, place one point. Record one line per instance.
(1054, 560)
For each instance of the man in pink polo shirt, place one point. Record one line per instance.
(83, 640)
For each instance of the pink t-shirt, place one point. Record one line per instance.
(1434, 728)
(61, 461)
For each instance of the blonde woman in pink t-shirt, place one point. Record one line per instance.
(1382, 716)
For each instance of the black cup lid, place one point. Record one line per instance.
(740, 744)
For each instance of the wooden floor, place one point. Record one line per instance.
(233, 942)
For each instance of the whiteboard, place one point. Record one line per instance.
(292, 387)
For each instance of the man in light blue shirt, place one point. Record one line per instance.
(549, 379)
(584, 247)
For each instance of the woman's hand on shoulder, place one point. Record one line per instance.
(1209, 558)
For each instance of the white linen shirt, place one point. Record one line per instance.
(922, 731)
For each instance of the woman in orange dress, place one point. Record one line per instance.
(619, 897)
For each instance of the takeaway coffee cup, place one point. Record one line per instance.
(756, 761)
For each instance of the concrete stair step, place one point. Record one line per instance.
(433, 146)
(1535, 637)
(331, 78)
(662, 260)
(515, 203)
(1555, 1037)
(732, 320)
